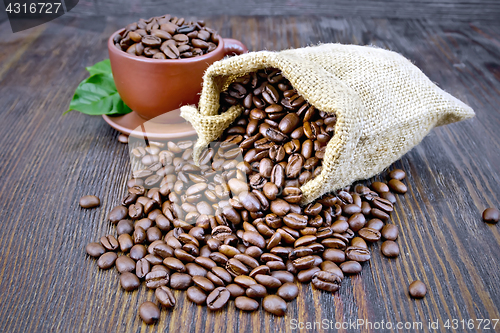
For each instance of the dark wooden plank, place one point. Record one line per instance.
(435, 9)
(47, 282)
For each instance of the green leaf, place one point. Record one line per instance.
(103, 67)
(97, 95)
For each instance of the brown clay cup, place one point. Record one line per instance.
(152, 87)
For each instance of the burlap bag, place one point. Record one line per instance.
(384, 105)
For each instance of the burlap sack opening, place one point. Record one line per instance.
(384, 106)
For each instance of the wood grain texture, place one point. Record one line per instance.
(435, 9)
(48, 284)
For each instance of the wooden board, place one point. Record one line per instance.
(48, 161)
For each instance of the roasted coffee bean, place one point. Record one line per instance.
(89, 201)
(129, 281)
(295, 221)
(247, 260)
(218, 298)
(236, 267)
(126, 242)
(491, 215)
(390, 232)
(326, 281)
(196, 295)
(306, 275)
(379, 187)
(274, 304)
(223, 274)
(369, 235)
(124, 264)
(397, 174)
(142, 268)
(174, 264)
(382, 204)
(195, 270)
(149, 312)
(376, 224)
(118, 213)
(283, 276)
(268, 281)
(359, 242)
(156, 279)
(390, 249)
(124, 227)
(256, 291)
(397, 186)
(138, 252)
(246, 303)
(180, 281)
(165, 296)
(235, 290)
(95, 249)
(417, 289)
(351, 267)
(357, 254)
(203, 283)
(331, 267)
(357, 221)
(244, 281)
(107, 260)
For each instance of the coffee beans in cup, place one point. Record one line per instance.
(167, 37)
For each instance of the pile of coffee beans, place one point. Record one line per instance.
(233, 227)
(166, 37)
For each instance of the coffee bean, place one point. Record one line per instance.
(331, 267)
(107, 260)
(218, 298)
(165, 296)
(124, 264)
(129, 281)
(235, 290)
(306, 275)
(350, 267)
(95, 249)
(274, 304)
(156, 279)
(397, 186)
(390, 232)
(118, 213)
(196, 295)
(491, 215)
(326, 281)
(149, 312)
(89, 201)
(124, 227)
(268, 281)
(390, 249)
(195, 270)
(369, 235)
(174, 264)
(357, 254)
(236, 267)
(417, 289)
(379, 187)
(180, 281)
(246, 303)
(283, 276)
(109, 242)
(138, 252)
(397, 174)
(256, 291)
(142, 268)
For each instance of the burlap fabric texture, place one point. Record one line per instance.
(384, 105)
